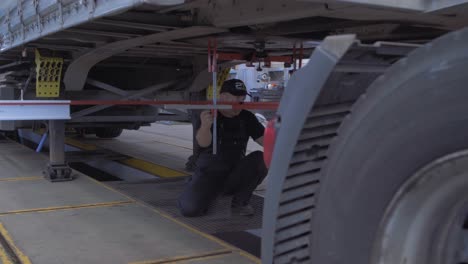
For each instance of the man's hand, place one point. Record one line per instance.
(206, 119)
(204, 136)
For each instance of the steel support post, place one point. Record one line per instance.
(57, 169)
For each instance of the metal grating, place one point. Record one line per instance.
(163, 194)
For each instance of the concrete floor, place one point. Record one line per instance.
(84, 221)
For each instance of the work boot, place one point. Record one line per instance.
(191, 164)
(242, 210)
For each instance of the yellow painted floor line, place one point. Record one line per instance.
(250, 256)
(4, 256)
(21, 256)
(194, 230)
(205, 235)
(177, 259)
(34, 178)
(67, 207)
(79, 144)
(157, 169)
(187, 261)
(226, 245)
(143, 165)
(152, 168)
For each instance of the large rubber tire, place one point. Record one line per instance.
(415, 113)
(108, 132)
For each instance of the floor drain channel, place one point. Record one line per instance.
(93, 172)
(9, 250)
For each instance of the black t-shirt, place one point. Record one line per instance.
(234, 133)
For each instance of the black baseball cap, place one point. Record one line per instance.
(235, 87)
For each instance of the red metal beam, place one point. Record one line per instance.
(245, 105)
(237, 56)
(287, 59)
(301, 55)
(231, 56)
(13, 103)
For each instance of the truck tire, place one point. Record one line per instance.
(394, 187)
(108, 132)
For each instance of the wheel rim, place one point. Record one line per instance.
(427, 221)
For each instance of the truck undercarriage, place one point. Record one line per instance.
(369, 162)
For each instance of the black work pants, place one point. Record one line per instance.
(214, 176)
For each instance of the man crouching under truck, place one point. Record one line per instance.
(230, 171)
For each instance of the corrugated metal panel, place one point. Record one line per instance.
(27, 20)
